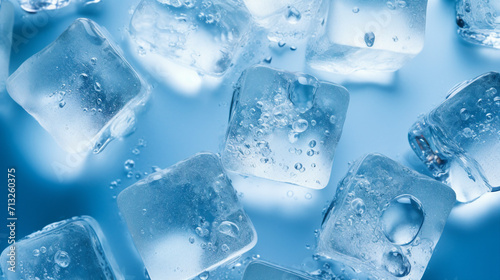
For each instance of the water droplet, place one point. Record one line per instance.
(390, 5)
(224, 248)
(369, 39)
(293, 15)
(129, 164)
(268, 59)
(204, 275)
(281, 44)
(97, 87)
(43, 250)
(289, 193)
(395, 39)
(144, 211)
(62, 259)
(191, 240)
(312, 143)
(310, 153)
(308, 196)
(464, 114)
(36, 252)
(93, 60)
(359, 207)
(300, 126)
(229, 228)
(396, 263)
(62, 104)
(468, 133)
(333, 119)
(136, 151)
(355, 10)
(298, 166)
(402, 219)
(491, 92)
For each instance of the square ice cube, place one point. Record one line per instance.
(6, 25)
(479, 21)
(376, 35)
(284, 126)
(385, 219)
(186, 219)
(33, 6)
(459, 141)
(80, 89)
(286, 20)
(70, 249)
(265, 271)
(205, 35)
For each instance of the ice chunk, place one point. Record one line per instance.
(264, 271)
(284, 126)
(186, 219)
(286, 20)
(34, 6)
(205, 35)
(80, 89)
(479, 22)
(385, 219)
(70, 249)
(6, 25)
(459, 141)
(376, 35)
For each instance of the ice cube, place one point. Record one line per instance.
(284, 126)
(459, 141)
(34, 6)
(479, 22)
(377, 35)
(70, 249)
(204, 35)
(186, 219)
(265, 271)
(286, 20)
(6, 25)
(80, 89)
(385, 219)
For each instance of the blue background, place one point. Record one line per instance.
(176, 126)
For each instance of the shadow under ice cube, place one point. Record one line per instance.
(459, 141)
(284, 126)
(71, 249)
(385, 219)
(6, 25)
(186, 219)
(80, 89)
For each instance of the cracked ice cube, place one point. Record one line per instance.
(69, 249)
(186, 219)
(284, 126)
(459, 141)
(385, 219)
(80, 89)
(204, 35)
(375, 35)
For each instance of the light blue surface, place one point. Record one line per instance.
(177, 126)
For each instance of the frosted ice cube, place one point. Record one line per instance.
(80, 89)
(284, 126)
(459, 141)
(265, 271)
(479, 21)
(34, 6)
(70, 249)
(376, 35)
(385, 219)
(186, 219)
(286, 20)
(6, 25)
(204, 35)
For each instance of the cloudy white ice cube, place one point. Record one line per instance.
(80, 89)
(284, 126)
(385, 219)
(71, 249)
(459, 141)
(6, 25)
(186, 219)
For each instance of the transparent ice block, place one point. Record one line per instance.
(204, 35)
(376, 35)
(186, 219)
(385, 219)
(34, 6)
(259, 270)
(459, 141)
(479, 21)
(284, 126)
(6, 25)
(71, 249)
(80, 89)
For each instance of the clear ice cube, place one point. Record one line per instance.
(284, 126)
(285, 20)
(186, 219)
(6, 25)
(71, 249)
(80, 89)
(459, 141)
(265, 271)
(479, 21)
(376, 35)
(33, 6)
(385, 219)
(204, 35)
